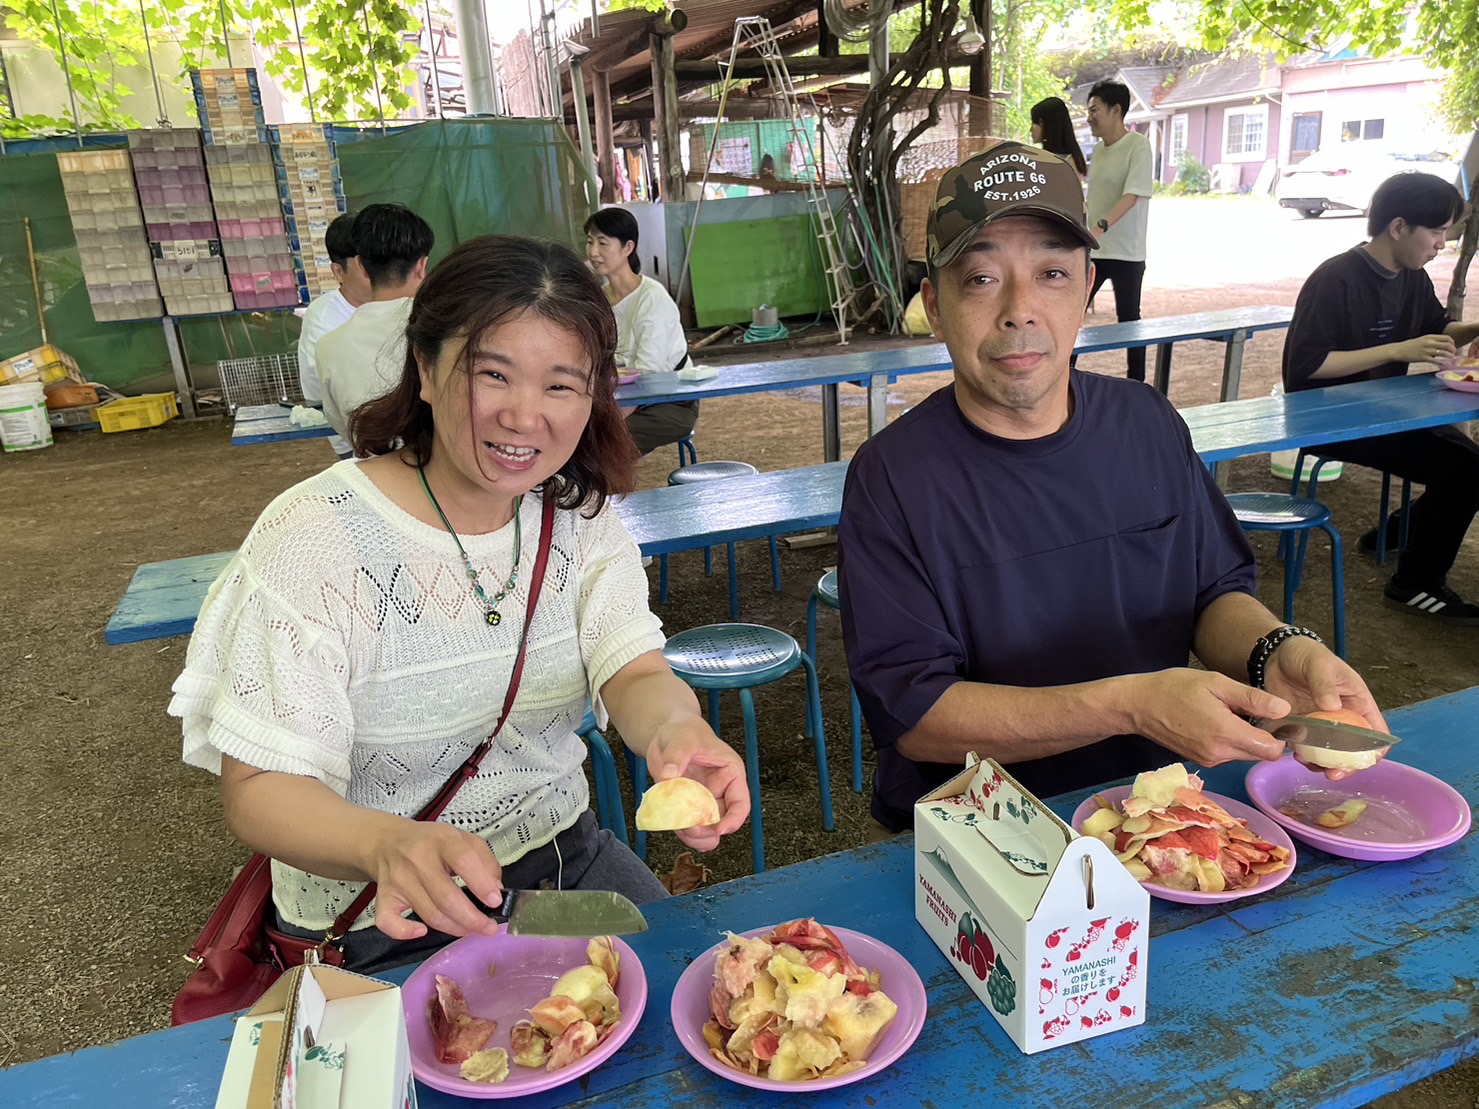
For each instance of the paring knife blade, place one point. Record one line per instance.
(569, 913)
(1331, 735)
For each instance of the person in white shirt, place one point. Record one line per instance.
(361, 643)
(1121, 180)
(329, 311)
(362, 360)
(649, 330)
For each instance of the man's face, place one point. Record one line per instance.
(1416, 246)
(1101, 115)
(1009, 309)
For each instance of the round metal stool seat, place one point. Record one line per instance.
(1280, 512)
(727, 656)
(826, 590)
(739, 657)
(1277, 511)
(710, 471)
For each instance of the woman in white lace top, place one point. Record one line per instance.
(360, 645)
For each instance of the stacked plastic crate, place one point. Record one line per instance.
(169, 168)
(254, 240)
(312, 194)
(104, 205)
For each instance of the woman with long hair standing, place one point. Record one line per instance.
(1052, 129)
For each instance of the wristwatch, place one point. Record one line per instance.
(1103, 225)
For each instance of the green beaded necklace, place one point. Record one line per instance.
(490, 608)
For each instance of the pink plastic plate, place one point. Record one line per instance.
(627, 379)
(1455, 379)
(1408, 812)
(1257, 821)
(525, 969)
(900, 981)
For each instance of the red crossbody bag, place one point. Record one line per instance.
(239, 953)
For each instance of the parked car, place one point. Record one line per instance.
(1342, 178)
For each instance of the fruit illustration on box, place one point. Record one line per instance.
(1002, 989)
(973, 947)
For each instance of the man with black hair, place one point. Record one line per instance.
(1372, 313)
(362, 360)
(330, 311)
(1121, 180)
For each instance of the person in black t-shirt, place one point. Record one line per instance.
(1029, 557)
(1371, 313)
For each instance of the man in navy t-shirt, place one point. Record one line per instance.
(1370, 313)
(1029, 557)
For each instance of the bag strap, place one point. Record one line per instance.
(469, 768)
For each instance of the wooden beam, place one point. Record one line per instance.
(605, 148)
(812, 65)
(769, 184)
(665, 117)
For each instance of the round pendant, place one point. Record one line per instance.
(493, 618)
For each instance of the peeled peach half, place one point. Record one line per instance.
(675, 804)
(1338, 760)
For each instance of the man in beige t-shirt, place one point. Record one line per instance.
(363, 359)
(1121, 180)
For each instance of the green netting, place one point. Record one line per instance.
(466, 177)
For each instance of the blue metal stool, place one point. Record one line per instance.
(608, 789)
(716, 471)
(1386, 502)
(686, 448)
(826, 592)
(1279, 512)
(740, 657)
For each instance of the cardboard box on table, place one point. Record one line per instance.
(1045, 925)
(321, 1038)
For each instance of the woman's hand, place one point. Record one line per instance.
(687, 748)
(415, 864)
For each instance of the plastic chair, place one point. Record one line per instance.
(716, 471)
(826, 592)
(717, 657)
(1279, 512)
(686, 447)
(1386, 502)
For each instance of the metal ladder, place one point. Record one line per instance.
(755, 32)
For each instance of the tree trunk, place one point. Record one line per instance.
(1458, 288)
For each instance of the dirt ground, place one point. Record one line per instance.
(115, 851)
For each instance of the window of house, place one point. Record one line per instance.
(1178, 138)
(1306, 133)
(1358, 130)
(1245, 133)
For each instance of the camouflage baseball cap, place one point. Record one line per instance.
(1009, 179)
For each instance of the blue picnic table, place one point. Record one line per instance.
(1348, 981)
(165, 597)
(875, 369)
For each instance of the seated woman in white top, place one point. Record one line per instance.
(649, 330)
(362, 642)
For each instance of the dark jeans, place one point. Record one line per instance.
(657, 425)
(593, 858)
(1446, 461)
(1127, 278)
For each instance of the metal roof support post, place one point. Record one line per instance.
(583, 131)
(479, 78)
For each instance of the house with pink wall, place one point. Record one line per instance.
(1226, 114)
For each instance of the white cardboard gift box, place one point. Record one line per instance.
(321, 1038)
(1045, 925)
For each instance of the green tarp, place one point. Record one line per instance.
(466, 177)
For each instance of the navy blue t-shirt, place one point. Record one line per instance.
(1082, 555)
(1353, 302)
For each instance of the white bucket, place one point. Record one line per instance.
(23, 422)
(1281, 464)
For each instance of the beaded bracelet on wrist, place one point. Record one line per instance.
(1265, 647)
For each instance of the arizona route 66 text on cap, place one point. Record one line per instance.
(1009, 179)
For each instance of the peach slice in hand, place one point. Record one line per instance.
(675, 804)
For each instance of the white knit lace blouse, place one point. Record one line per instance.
(344, 642)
